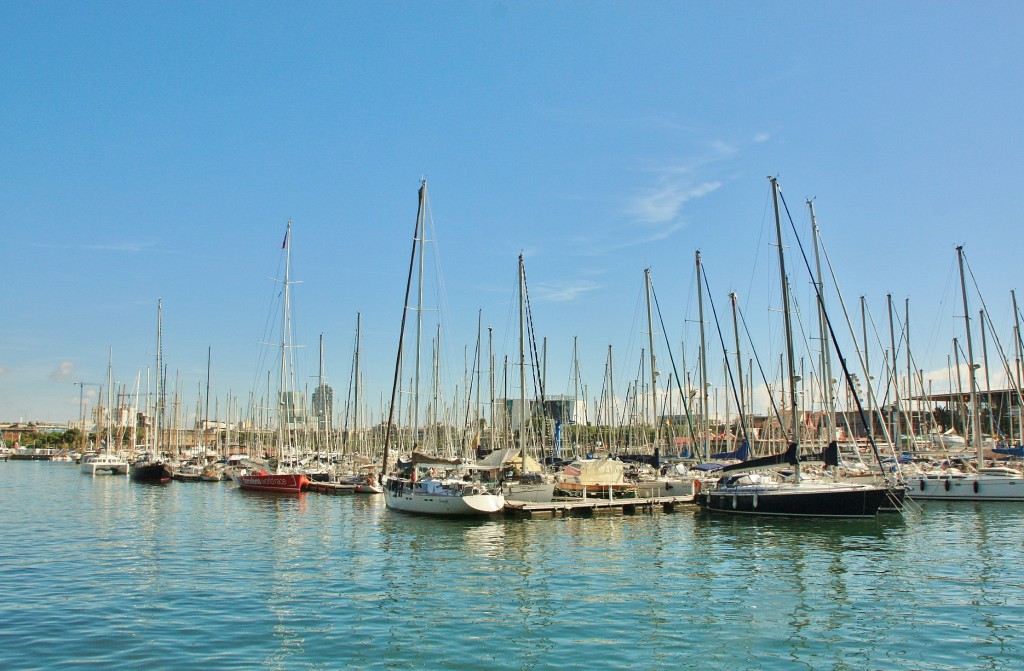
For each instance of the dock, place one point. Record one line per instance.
(591, 507)
(331, 488)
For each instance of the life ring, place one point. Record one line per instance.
(975, 486)
(947, 484)
(696, 486)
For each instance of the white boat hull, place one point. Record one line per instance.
(104, 465)
(965, 487)
(541, 492)
(398, 495)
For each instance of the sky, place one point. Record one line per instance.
(156, 151)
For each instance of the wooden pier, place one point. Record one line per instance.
(331, 488)
(591, 507)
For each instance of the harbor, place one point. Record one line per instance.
(207, 575)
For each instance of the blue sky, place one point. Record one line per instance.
(157, 150)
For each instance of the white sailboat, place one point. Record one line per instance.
(991, 483)
(530, 484)
(434, 486)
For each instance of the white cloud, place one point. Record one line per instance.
(663, 203)
(762, 137)
(560, 293)
(62, 371)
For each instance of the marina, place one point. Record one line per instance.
(208, 575)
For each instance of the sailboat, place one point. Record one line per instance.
(529, 484)
(984, 483)
(279, 479)
(433, 485)
(757, 487)
(149, 467)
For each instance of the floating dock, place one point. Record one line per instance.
(591, 507)
(331, 488)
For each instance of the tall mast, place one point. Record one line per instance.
(285, 326)
(654, 366)
(401, 332)
(419, 314)
(826, 348)
(739, 365)
(356, 400)
(975, 413)
(1017, 348)
(705, 445)
(522, 364)
(788, 325)
(159, 395)
(895, 385)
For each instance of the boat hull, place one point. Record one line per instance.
(289, 483)
(156, 472)
(799, 501)
(965, 487)
(104, 466)
(398, 495)
(540, 492)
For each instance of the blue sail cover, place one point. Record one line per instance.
(742, 453)
(1017, 451)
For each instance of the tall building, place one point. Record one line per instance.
(323, 407)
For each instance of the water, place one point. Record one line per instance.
(104, 573)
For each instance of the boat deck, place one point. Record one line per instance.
(590, 507)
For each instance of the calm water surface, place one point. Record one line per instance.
(104, 573)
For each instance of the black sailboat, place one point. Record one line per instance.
(751, 488)
(149, 467)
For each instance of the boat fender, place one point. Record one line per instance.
(755, 500)
(921, 483)
(947, 484)
(696, 486)
(734, 502)
(975, 486)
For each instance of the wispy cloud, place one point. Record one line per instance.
(129, 246)
(663, 203)
(2, 370)
(563, 292)
(124, 246)
(762, 137)
(62, 371)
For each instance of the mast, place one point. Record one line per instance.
(522, 365)
(867, 370)
(988, 384)
(789, 327)
(739, 366)
(826, 349)
(1017, 349)
(401, 332)
(703, 366)
(159, 395)
(895, 384)
(356, 400)
(654, 366)
(285, 325)
(975, 411)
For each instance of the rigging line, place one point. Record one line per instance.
(832, 333)
(992, 328)
(538, 381)
(672, 360)
(760, 368)
(728, 367)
